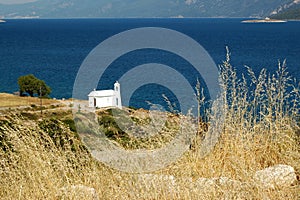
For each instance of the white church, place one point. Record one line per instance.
(106, 98)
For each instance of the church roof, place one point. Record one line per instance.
(102, 93)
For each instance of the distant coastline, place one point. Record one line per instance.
(266, 20)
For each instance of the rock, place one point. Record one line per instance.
(78, 192)
(276, 176)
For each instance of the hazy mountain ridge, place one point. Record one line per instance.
(143, 8)
(286, 6)
(289, 11)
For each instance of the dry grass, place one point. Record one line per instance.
(36, 160)
(9, 100)
(36, 166)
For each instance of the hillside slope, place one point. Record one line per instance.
(289, 13)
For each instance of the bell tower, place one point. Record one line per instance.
(117, 99)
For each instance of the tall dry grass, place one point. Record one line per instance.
(38, 158)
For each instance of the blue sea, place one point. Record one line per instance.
(54, 49)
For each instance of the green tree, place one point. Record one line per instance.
(42, 88)
(31, 85)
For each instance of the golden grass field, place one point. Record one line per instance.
(36, 164)
(44, 159)
(10, 100)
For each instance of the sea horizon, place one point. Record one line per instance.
(54, 49)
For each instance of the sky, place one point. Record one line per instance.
(15, 1)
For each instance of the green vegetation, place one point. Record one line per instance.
(60, 135)
(71, 124)
(32, 85)
(132, 129)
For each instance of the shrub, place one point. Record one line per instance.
(71, 124)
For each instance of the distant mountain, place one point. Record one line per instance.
(142, 8)
(289, 11)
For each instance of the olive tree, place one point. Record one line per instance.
(31, 85)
